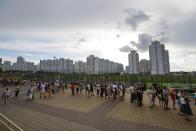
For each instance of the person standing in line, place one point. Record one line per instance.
(105, 91)
(124, 91)
(98, 89)
(77, 88)
(72, 89)
(102, 90)
(91, 89)
(32, 92)
(166, 99)
(81, 87)
(42, 91)
(160, 96)
(114, 90)
(17, 90)
(5, 96)
(185, 107)
(131, 89)
(109, 90)
(88, 89)
(154, 93)
(120, 88)
(173, 98)
(49, 90)
(139, 94)
(150, 96)
(178, 102)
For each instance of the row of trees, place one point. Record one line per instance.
(183, 79)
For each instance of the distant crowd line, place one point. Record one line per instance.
(180, 99)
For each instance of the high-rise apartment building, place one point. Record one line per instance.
(22, 65)
(79, 67)
(159, 58)
(7, 65)
(133, 62)
(57, 65)
(20, 59)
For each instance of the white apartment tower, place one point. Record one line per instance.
(6, 66)
(133, 62)
(96, 65)
(159, 58)
(22, 65)
(57, 65)
(79, 67)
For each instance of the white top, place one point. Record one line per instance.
(114, 86)
(98, 86)
(43, 87)
(182, 100)
(88, 86)
(131, 89)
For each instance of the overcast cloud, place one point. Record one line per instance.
(41, 29)
(135, 17)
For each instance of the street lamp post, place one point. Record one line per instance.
(190, 85)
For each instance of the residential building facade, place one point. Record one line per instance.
(22, 65)
(79, 67)
(7, 66)
(57, 65)
(159, 58)
(133, 58)
(97, 65)
(144, 66)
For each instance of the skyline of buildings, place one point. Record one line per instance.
(93, 65)
(158, 64)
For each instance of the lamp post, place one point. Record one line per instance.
(190, 85)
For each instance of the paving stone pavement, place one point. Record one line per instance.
(108, 116)
(30, 120)
(94, 121)
(152, 116)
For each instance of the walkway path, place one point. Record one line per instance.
(41, 115)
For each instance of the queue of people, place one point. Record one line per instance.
(111, 90)
(180, 100)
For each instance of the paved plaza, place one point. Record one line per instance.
(64, 112)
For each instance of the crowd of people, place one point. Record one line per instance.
(114, 90)
(180, 100)
(111, 90)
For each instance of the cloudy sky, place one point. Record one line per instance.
(41, 29)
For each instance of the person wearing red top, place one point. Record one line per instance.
(173, 98)
(72, 88)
